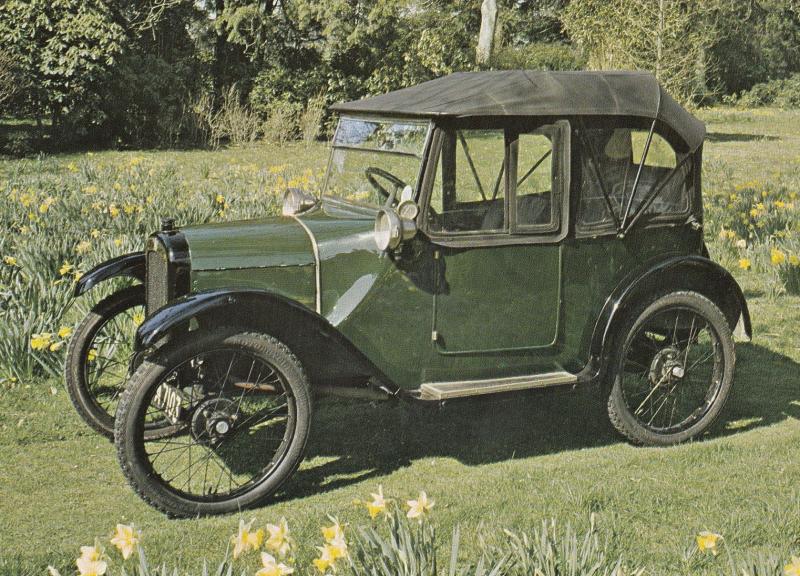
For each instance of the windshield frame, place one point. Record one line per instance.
(423, 155)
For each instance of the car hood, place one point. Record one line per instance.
(277, 241)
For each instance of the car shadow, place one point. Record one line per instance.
(718, 137)
(355, 441)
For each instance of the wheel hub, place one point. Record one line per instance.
(213, 420)
(666, 366)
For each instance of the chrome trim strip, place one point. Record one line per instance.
(462, 388)
(317, 275)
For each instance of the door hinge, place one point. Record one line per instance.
(434, 336)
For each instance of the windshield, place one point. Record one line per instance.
(373, 160)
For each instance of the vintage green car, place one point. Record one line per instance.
(480, 233)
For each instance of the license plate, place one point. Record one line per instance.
(169, 400)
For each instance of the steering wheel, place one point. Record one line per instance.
(372, 171)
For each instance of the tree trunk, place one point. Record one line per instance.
(486, 35)
(218, 65)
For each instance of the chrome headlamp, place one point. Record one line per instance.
(393, 227)
(296, 201)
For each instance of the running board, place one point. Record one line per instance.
(462, 388)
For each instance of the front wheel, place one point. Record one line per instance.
(673, 370)
(240, 409)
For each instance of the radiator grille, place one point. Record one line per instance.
(157, 283)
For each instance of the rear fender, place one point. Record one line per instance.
(695, 273)
(130, 265)
(326, 354)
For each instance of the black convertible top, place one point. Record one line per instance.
(535, 93)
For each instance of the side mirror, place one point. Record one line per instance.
(393, 227)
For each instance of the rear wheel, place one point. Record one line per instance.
(99, 357)
(673, 370)
(240, 409)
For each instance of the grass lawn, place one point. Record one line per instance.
(491, 463)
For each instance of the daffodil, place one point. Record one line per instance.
(66, 268)
(271, 567)
(326, 558)
(113, 210)
(126, 539)
(247, 539)
(83, 247)
(41, 341)
(138, 318)
(91, 355)
(90, 563)
(56, 346)
(45, 205)
(10, 261)
(279, 540)
(744, 263)
(419, 507)
(794, 260)
(708, 542)
(220, 199)
(793, 568)
(378, 503)
(334, 539)
(777, 257)
(95, 233)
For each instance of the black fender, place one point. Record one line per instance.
(131, 265)
(695, 272)
(326, 353)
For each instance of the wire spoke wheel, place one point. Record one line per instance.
(100, 357)
(236, 416)
(238, 411)
(674, 370)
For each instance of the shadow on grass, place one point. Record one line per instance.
(357, 441)
(737, 137)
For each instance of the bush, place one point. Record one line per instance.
(782, 93)
(312, 118)
(235, 122)
(538, 56)
(282, 122)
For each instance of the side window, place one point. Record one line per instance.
(469, 190)
(536, 175)
(610, 160)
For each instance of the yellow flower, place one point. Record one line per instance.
(792, 569)
(753, 212)
(744, 263)
(72, 167)
(10, 260)
(419, 507)
(777, 257)
(91, 189)
(279, 541)
(378, 503)
(90, 564)
(220, 199)
(272, 567)
(83, 247)
(77, 276)
(64, 332)
(41, 341)
(334, 539)
(760, 206)
(95, 233)
(113, 210)
(780, 204)
(56, 346)
(26, 199)
(246, 539)
(117, 186)
(794, 260)
(117, 242)
(326, 558)
(129, 208)
(126, 539)
(138, 318)
(66, 268)
(45, 205)
(91, 355)
(708, 542)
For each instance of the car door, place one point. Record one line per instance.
(495, 215)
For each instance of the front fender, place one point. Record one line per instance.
(326, 354)
(695, 273)
(131, 265)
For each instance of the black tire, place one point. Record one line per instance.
(212, 397)
(96, 402)
(690, 363)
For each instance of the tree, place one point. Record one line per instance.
(9, 85)
(483, 52)
(667, 37)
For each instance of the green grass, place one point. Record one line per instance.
(507, 462)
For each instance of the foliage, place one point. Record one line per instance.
(782, 93)
(538, 56)
(666, 38)
(64, 51)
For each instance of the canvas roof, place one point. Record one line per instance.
(535, 93)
